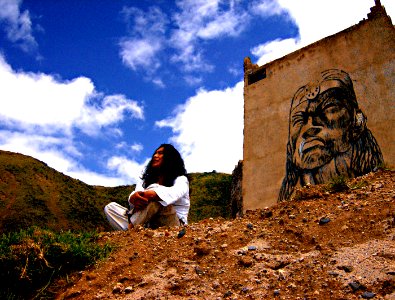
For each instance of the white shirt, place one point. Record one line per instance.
(176, 195)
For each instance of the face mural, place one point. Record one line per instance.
(328, 136)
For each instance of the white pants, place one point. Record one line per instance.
(154, 215)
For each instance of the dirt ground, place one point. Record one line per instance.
(327, 245)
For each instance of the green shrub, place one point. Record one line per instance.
(30, 259)
(338, 184)
(210, 196)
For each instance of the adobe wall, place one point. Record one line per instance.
(365, 52)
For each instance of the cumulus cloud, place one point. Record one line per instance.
(110, 111)
(17, 24)
(41, 113)
(141, 48)
(127, 169)
(140, 53)
(151, 37)
(60, 153)
(267, 8)
(202, 20)
(315, 20)
(208, 129)
(137, 147)
(32, 101)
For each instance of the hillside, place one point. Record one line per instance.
(32, 193)
(333, 242)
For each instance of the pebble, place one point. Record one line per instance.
(368, 295)
(198, 270)
(181, 233)
(250, 226)
(324, 221)
(128, 290)
(333, 273)
(276, 292)
(216, 285)
(266, 214)
(117, 288)
(252, 248)
(355, 286)
(246, 261)
(347, 269)
(228, 294)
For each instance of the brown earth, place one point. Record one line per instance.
(326, 245)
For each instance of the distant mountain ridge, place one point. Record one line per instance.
(32, 193)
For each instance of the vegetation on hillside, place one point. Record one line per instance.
(31, 259)
(31, 193)
(48, 221)
(210, 195)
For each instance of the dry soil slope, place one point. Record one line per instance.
(326, 245)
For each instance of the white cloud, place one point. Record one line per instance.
(266, 8)
(274, 49)
(193, 22)
(137, 147)
(193, 80)
(111, 111)
(315, 20)
(127, 169)
(17, 24)
(32, 102)
(140, 49)
(93, 178)
(58, 153)
(203, 20)
(208, 129)
(40, 113)
(140, 53)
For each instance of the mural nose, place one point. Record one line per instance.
(311, 131)
(311, 128)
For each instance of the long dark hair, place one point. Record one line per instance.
(171, 167)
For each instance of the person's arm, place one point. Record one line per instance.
(137, 198)
(138, 188)
(169, 195)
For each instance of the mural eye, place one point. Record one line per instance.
(330, 108)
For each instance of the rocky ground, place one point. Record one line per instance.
(324, 245)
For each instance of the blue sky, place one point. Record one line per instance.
(93, 87)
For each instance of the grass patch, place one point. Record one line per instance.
(338, 184)
(385, 167)
(31, 259)
(358, 185)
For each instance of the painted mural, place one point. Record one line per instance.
(328, 136)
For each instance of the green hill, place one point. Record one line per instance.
(32, 193)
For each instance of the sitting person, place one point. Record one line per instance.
(161, 199)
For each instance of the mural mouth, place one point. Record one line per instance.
(310, 144)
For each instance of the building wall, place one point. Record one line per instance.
(364, 51)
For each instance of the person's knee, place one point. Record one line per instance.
(108, 207)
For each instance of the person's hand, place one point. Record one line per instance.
(139, 200)
(151, 195)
